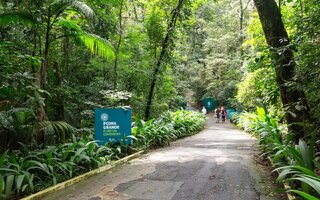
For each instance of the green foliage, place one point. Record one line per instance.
(155, 29)
(259, 89)
(310, 182)
(169, 127)
(300, 155)
(304, 194)
(79, 6)
(59, 130)
(246, 121)
(96, 44)
(296, 163)
(214, 53)
(302, 161)
(152, 133)
(18, 125)
(30, 170)
(268, 131)
(13, 18)
(302, 25)
(15, 126)
(306, 26)
(255, 38)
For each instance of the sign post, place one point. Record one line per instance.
(112, 125)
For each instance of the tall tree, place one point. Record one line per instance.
(278, 41)
(164, 49)
(117, 47)
(241, 23)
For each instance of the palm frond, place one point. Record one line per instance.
(97, 45)
(94, 43)
(70, 25)
(80, 6)
(10, 18)
(58, 128)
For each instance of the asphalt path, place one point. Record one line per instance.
(216, 164)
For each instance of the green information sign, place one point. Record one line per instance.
(210, 104)
(112, 125)
(230, 112)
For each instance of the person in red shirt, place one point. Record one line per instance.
(223, 114)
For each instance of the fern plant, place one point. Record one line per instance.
(56, 131)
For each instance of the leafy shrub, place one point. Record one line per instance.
(169, 127)
(259, 88)
(26, 171)
(296, 163)
(185, 122)
(301, 166)
(246, 121)
(268, 131)
(310, 181)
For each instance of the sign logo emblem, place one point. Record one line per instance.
(104, 117)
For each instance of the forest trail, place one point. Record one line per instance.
(216, 164)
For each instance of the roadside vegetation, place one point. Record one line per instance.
(31, 169)
(297, 164)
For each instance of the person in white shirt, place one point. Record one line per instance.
(204, 110)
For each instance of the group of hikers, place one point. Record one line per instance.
(221, 114)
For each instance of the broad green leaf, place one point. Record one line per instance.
(303, 194)
(9, 185)
(19, 181)
(2, 184)
(315, 184)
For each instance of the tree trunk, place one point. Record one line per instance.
(278, 41)
(59, 102)
(241, 30)
(44, 68)
(41, 82)
(165, 44)
(34, 51)
(117, 48)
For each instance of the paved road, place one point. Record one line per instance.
(216, 164)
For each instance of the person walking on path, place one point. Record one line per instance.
(223, 114)
(204, 110)
(217, 111)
